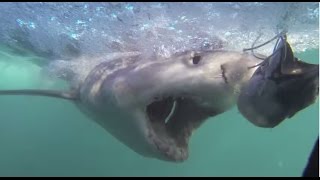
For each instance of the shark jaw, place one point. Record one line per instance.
(171, 121)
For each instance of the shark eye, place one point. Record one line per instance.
(196, 59)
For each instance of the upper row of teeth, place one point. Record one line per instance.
(164, 97)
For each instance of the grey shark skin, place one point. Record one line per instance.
(279, 89)
(153, 107)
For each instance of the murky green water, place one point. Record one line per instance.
(42, 136)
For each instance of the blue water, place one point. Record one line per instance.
(42, 136)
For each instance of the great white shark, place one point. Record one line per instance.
(153, 107)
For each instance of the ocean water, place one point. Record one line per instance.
(42, 136)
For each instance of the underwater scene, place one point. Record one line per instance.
(151, 88)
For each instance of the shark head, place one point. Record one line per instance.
(153, 107)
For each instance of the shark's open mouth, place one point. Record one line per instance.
(173, 120)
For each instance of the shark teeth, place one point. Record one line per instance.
(170, 150)
(173, 146)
